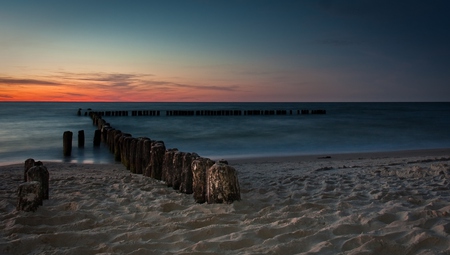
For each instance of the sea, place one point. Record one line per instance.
(35, 129)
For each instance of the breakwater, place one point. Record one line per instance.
(202, 112)
(189, 173)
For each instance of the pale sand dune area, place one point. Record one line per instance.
(357, 204)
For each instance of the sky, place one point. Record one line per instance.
(225, 51)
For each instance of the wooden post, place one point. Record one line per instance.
(222, 184)
(29, 163)
(105, 130)
(125, 150)
(156, 161)
(167, 171)
(199, 167)
(132, 155)
(186, 173)
(138, 155)
(40, 174)
(112, 140)
(177, 168)
(146, 153)
(117, 144)
(120, 156)
(81, 139)
(67, 143)
(97, 137)
(29, 196)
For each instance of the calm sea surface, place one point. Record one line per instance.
(35, 129)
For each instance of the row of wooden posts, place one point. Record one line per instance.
(207, 180)
(204, 112)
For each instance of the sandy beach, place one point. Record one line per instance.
(371, 203)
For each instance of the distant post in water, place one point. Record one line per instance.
(97, 137)
(80, 138)
(67, 143)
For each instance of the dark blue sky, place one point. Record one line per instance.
(196, 50)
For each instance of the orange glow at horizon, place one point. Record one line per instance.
(141, 87)
(104, 92)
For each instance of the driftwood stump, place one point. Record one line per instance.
(222, 185)
(41, 175)
(199, 167)
(29, 196)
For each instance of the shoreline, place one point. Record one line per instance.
(437, 152)
(440, 152)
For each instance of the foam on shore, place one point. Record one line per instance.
(371, 204)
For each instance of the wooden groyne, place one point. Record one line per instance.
(204, 112)
(189, 173)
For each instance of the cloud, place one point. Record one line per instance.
(75, 94)
(13, 81)
(5, 96)
(118, 80)
(137, 81)
(220, 88)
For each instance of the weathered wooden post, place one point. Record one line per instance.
(156, 161)
(113, 141)
(40, 174)
(125, 150)
(109, 139)
(222, 185)
(132, 155)
(118, 138)
(167, 170)
(199, 167)
(186, 173)
(97, 137)
(105, 130)
(177, 168)
(138, 156)
(119, 152)
(67, 143)
(29, 196)
(29, 163)
(146, 153)
(80, 138)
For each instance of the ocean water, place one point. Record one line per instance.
(35, 129)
